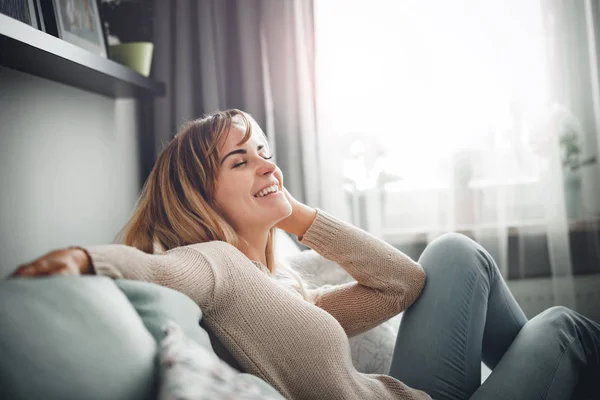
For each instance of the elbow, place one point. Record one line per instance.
(415, 287)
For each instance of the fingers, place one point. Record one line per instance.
(47, 266)
(37, 271)
(23, 270)
(32, 269)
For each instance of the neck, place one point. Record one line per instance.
(255, 245)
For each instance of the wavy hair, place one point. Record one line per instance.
(177, 207)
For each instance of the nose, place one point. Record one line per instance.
(266, 167)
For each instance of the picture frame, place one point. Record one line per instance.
(78, 22)
(21, 10)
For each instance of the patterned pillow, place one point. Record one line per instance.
(190, 371)
(371, 350)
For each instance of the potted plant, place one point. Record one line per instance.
(128, 25)
(571, 152)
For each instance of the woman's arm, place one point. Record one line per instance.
(387, 280)
(186, 269)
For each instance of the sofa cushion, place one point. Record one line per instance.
(72, 338)
(157, 305)
(191, 372)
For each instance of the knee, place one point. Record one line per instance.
(455, 250)
(453, 246)
(454, 240)
(558, 315)
(559, 318)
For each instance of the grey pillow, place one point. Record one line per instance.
(72, 338)
(157, 305)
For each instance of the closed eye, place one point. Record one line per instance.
(244, 162)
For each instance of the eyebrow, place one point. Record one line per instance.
(240, 151)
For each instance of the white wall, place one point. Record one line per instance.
(68, 167)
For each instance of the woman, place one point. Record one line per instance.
(204, 226)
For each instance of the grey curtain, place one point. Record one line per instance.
(255, 55)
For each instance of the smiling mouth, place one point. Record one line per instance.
(266, 195)
(267, 191)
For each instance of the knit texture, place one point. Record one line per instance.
(300, 348)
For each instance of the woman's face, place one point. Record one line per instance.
(248, 187)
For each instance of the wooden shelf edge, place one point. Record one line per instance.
(29, 50)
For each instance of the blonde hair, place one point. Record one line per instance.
(177, 208)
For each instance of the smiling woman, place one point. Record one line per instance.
(207, 217)
(206, 182)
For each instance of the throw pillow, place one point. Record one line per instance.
(190, 371)
(72, 337)
(157, 305)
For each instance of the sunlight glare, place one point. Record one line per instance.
(426, 79)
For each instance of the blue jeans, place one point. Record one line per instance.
(466, 314)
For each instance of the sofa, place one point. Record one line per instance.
(91, 337)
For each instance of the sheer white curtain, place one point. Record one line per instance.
(439, 116)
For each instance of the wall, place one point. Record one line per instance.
(68, 167)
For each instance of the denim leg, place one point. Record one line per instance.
(441, 343)
(556, 356)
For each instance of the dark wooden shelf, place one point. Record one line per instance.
(32, 51)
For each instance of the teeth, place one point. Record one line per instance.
(265, 191)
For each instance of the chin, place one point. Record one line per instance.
(274, 214)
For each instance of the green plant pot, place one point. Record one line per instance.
(135, 55)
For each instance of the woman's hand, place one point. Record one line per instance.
(300, 219)
(71, 261)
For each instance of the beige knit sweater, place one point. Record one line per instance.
(300, 348)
